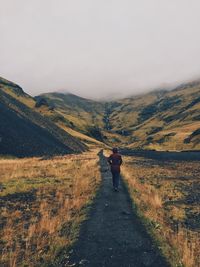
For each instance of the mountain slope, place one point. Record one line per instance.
(80, 114)
(161, 120)
(25, 132)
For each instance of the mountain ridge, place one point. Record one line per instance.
(161, 119)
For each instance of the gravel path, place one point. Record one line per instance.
(113, 235)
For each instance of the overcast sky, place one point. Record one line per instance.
(96, 48)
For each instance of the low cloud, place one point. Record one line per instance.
(99, 48)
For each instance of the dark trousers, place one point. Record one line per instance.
(115, 179)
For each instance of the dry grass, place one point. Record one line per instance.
(28, 101)
(167, 197)
(43, 203)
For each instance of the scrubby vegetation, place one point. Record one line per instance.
(166, 195)
(42, 203)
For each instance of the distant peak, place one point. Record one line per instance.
(14, 87)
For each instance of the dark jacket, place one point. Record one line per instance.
(115, 161)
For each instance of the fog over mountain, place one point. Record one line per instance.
(99, 48)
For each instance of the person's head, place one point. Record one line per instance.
(115, 150)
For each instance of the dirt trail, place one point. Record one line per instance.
(113, 236)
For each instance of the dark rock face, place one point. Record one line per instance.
(159, 106)
(41, 102)
(196, 133)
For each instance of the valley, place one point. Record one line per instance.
(99, 133)
(56, 197)
(159, 120)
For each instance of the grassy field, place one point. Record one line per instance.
(166, 195)
(42, 203)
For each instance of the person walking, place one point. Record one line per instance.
(115, 161)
